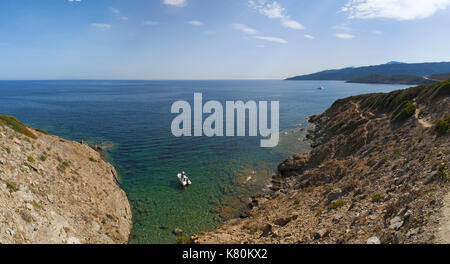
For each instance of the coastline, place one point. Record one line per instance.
(352, 188)
(243, 172)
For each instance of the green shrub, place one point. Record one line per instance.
(37, 205)
(184, 240)
(41, 131)
(12, 187)
(336, 204)
(91, 159)
(442, 126)
(43, 158)
(377, 197)
(31, 168)
(16, 125)
(443, 172)
(30, 159)
(403, 112)
(63, 166)
(110, 217)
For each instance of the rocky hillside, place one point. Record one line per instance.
(391, 68)
(378, 173)
(57, 191)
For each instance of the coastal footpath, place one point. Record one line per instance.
(57, 191)
(378, 173)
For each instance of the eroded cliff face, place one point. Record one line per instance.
(378, 173)
(57, 191)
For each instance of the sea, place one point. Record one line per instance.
(132, 120)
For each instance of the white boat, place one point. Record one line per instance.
(320, 88)
(183, 181)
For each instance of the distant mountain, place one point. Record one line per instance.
(395, 62)
(389, 69)
(394, 79)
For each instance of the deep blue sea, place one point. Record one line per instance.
(134, 118)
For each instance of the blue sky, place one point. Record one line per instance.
(214, 39)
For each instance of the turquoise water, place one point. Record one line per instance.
(135, 117)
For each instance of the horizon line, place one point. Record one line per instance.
(248, 79)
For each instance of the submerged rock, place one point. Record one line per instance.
(177, 231)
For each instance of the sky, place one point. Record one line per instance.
(214, 39)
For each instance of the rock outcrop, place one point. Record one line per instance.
(57, 191)
(377, 174)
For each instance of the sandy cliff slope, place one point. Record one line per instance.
(57, 191)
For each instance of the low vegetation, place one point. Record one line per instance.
(442, 126)
(16, 125)
(63, 166)
(403, 112)
(184, 240)
(377, 197)
(383, 102)
(41, 131)
(30, 159)
(37, 205)
(444, 173)
(336, 204)
(12, 187)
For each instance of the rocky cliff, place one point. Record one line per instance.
(378, 173)
(57, 191)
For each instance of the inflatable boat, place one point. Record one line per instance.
(183, 181)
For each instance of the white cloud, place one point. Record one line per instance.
(293, 24)
(150, 23)
(118, 14)
(394, 9)
(245, 29)
(74, 0)
(196, 23)
(101, 26)
(272, 39)
(342, 27)
(260, 46)
(270, 10)
(114, 10)
(376, 32)
(308, 36)
(344, 36)
(274, 10)
(175, 2)
(345, 31)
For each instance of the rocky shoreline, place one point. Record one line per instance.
(377, 173)
(55, 191)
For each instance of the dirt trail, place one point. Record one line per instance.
(366, 131)
(422, 121)
(443, 233)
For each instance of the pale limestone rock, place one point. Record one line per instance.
(49, 204)
(73, 240)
